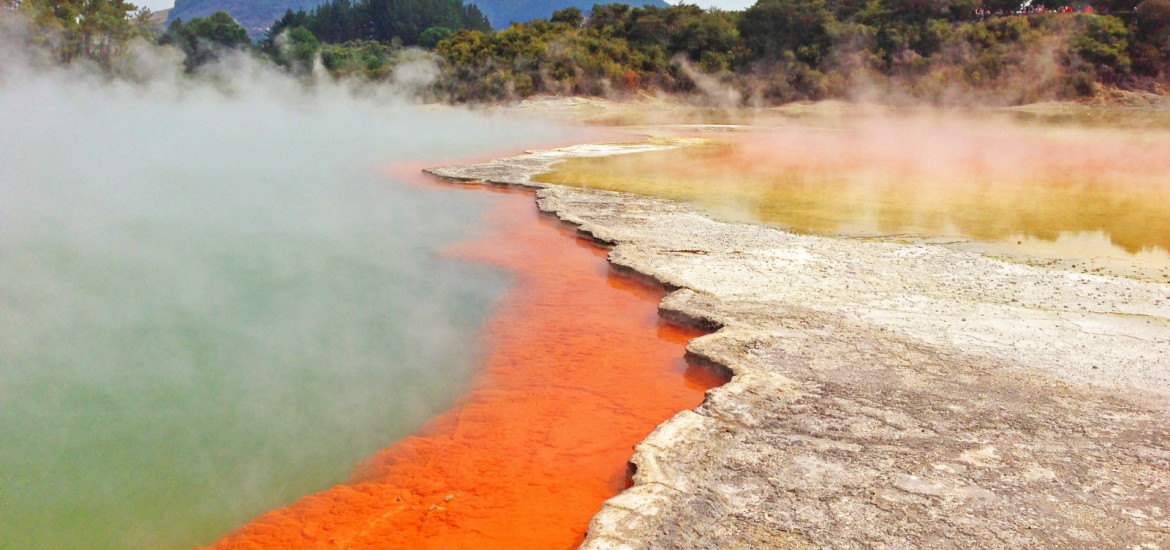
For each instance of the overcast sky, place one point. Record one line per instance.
(158, 5)
(154, 5)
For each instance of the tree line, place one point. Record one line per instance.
(95, 30)
(775, 51)
(405, 22)
(784, 50)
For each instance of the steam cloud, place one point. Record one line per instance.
(211, 299)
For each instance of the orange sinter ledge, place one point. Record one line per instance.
(578, 368)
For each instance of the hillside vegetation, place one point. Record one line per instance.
(944, 52)
(402, 22)
(254, 15)
(785, 50)
(503, 13)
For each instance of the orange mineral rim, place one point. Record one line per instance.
(578, 369)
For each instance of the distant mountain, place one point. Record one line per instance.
(503, 12)
(257, 15)
(159, 17)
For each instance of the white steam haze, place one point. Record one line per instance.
(213, 299)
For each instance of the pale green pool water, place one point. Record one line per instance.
(210, 307)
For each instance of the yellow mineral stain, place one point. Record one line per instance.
(1033, 191)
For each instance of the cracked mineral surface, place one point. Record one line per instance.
(883, 394)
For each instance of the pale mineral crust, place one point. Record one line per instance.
(883, 395)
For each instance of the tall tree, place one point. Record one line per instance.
(771, 28)
(385, 21)
(204, 39)
(91, 29)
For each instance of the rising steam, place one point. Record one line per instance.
(211, 299)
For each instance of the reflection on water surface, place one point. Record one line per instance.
(1097, 198)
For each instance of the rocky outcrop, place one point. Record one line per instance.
(884, 395)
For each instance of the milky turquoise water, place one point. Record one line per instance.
(211, 306)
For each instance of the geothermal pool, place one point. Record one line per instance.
(1094, 198)
(212, 305)
(578, 368)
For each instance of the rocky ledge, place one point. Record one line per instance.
(883, 395)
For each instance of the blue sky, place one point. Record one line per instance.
(157, 5)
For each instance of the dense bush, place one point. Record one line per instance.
(784, 50)
(204, 38)
(944, 51)
(404, 21)
(70, 30)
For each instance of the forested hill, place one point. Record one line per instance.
(502, 12)
(256, 15)
(946, 52)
